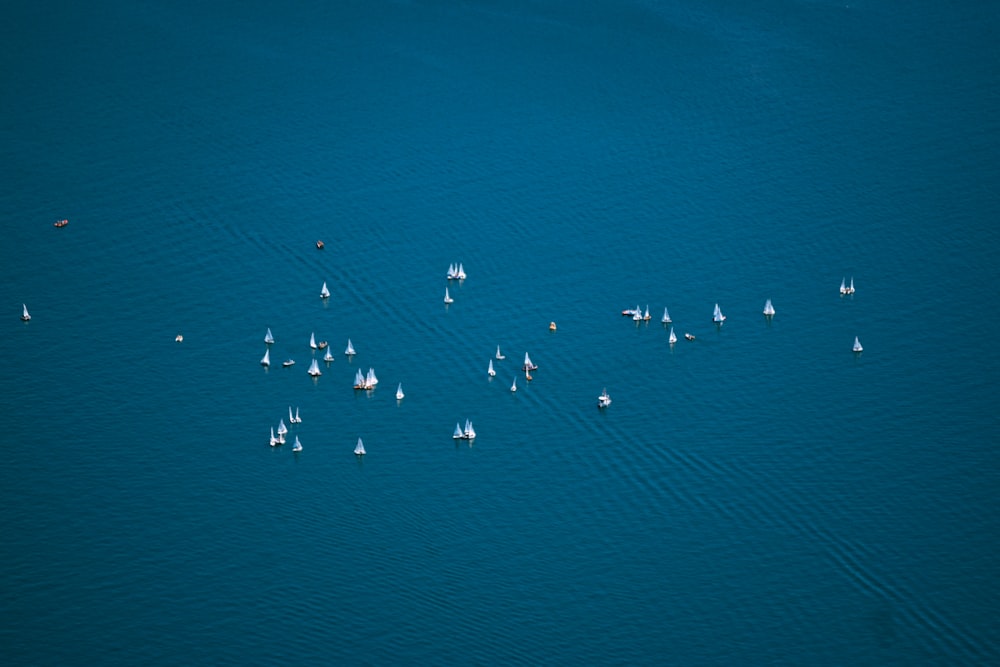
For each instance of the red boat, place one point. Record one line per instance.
(61, 223)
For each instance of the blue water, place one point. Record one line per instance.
(760, 495)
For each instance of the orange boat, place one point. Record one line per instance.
(61, 223)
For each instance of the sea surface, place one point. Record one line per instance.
(760, 495)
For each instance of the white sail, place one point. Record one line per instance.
(528, 366)
(717, 315)
(314, 369)
(857, 345)
(447, 297)
(490, 371)
(637, 313)
(359, 380)
(274, 440)
(399, 392)
(850, 290)
(469, 433)
(359, 449)
(298, 419)
(24, 313)
(513, 387)
(324, 292)
(460, 272)
(768, 308)
(297, 447)
(350, 348)
(458, 434)
(645, 314)
(370, 379)
(673, 337)
(266, 359)
(666, 317)
(291, 417)
(843, 285)
(452, 272)
(328, 356)
(268, 338)
(282, 429)
(604, 400)
(500, 356)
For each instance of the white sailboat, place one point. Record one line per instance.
(666, 317)
(768, 309)
(673, 337)
(328, 356)
(460, 272)
(24, 313)
(717, 315)
(603, 400)
(314, 369)
(637, 314)
(850, 288)
(458, 434)
(469, 433)
(359, 449)
(500, 356)
(452, 272)
(291, 417)
(297, 447)
(268, 338)
(312, 341)
(359, 380)
(645, 315)
(490, 371)
(266, 359)
(282, 429)
(857, 345)
(399, 392)
(447, 297)
(298, 419)
(844, 288)
(528, 366)
(324, 293)
(513, 387)
(350, 348)
(274, 440)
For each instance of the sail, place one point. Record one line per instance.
(843, 285)
(458, 431)
(399, 391)
(324, 292)
(291, 418)
(359, 449)
(673, 336)
(312, 341)
(857, 345)
(350, 348)
(469, 433)
(460, 272)
(297, 447)
(266, 360)
(24, 313)
(527, 361)
(298, 419)
(314, 368)
(717, 315)
(447, 297)
(268, 338)
(666, 317)
(328, 356)
(282, 429)
(274, 440)
(500, 356)
(768, 308)
(491, 372)
(513, 387)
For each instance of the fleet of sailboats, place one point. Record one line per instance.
(467, 433)
(456, 272)
(845, 288)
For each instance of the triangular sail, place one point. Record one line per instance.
(266, 359)
(491, 372)
(24, 313)
(359, 449)
(314, 368)
(350, 348)
(282, 429)
(324, 292)
(673, 336)
(312, 341)
(268, 338)
(857, 345)
(768, 308)
(666, 317)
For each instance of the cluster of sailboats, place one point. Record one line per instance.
(368, 381)
(467, 433)
(456, 272)
(278, 437)
(314, 369)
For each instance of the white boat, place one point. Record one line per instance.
(689, 336)
(666, 317)
(513, 387)
(328, 356)
(717, 315)
(291, 417)
(297, 447)
(850, 288)
(359, 380)
(500, 356)
(603, 400)
(460, 272)
(528, 366)
(469, 433)
(24, 313)
(314, 369)
(645, 315)
(490, 371)
(399, 392)
(266, 359)
(370, 379)
(298, 419)
(857, 345)
(324, 292)
(359, 449)
(350, 348)
(282, 429)
(673, 337)
(274, 440)
(452, 272)
(312, 341)
(447, 297)
(637, 314)
(288, 362)
(268, 338)
(459, 433)
(768, 308)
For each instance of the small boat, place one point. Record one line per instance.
(513, 387)
(60, 223)
(291, 417)
(324, 292)
(447, 297)
(274, 440)
(359, 449)
(459, 433)
(319, 245)
(312, 341)
(469, 433)
(637, 314)
(672, 338)
(314, 369)
(297, 447)
(266, 360)
(844, 288)
(288, 362)
(179, 338)
(857, 345)
(603, 400)
(717, 315)
(298, 419)
(359, 380)
(552, 326)
(768, 309)
(500, 356)
(350, 348)
(460, 273)
(328, 356)
(490, 370)
(850, 288)
(527, 375)
(399, 392)
(629, 312)
(666, 317)
(282, 429)
(24, 313)
(689, 336)
(268, 338)
(370, 379)
(528, 366)
(645, 315)
(322, 344)
(452, 272)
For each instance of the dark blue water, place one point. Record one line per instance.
(759, 495)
